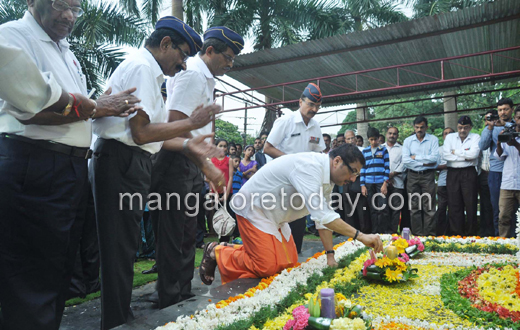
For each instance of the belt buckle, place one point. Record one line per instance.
(88, 155)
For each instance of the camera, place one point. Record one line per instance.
(509, 133)
(493, 116)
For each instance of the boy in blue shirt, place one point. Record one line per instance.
(374, 180)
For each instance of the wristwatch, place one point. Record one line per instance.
(67, 109)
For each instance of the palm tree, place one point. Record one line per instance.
(424, 8)
(98, 37)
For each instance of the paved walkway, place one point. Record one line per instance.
(87, 316)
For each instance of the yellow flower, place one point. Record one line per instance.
(383, 262)
(400, 244)
(392, 275)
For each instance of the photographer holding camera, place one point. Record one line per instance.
(489, 139)
(509, 153)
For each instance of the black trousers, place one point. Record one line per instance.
(379, 215)
(395, 207)
(85, 277)
(41, 193)
(442, 219)
(118, 169)
(175, 224)
(422, 217)
(461, 184)
(357, 214)
(298, 231)
(487, 227)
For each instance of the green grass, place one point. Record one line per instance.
(141, 279)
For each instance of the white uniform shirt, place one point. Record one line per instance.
(53, 58)
(466, 153)
(290, 134)
(443, 175)
(304, 173)
(143, 72)
(396, 164)
(191, 88)
(511, 173)
(33, 90)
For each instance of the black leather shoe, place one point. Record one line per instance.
(151, 270)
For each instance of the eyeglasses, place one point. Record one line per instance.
(312, 105)
(354, 173)
(228, 58)
(184, 55)
(60, 5)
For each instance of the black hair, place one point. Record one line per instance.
(349, 153)
(340, 136)
(235, 157)
(218, 45)
(232, 144)
(360, 137)
(258, 138)
(373, 132)
(517, 109)
(420, 119)
(264, 133)
(217, 141)
(154, 41)
(383, 137)
(505, 100)
(326, 135)
(448, 128)
(238, 144)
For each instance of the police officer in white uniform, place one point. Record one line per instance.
(174, 171)
(298, 132)
(43, 168)
(122, 164)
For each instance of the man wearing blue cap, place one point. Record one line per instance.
(173, 172)
(298, 132)
(121, 166)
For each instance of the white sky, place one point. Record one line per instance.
(256, 116)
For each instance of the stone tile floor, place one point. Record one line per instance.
(87, 316)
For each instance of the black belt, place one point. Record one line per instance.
(420, 172)
(461, 168)
(133, 148)
(85, 153)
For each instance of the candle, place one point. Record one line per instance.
(406, 233)
(391, 252)
(328, 309)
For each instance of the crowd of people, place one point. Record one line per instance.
(63, 204)
(466, 176)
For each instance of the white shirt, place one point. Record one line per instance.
(290, 134)
(465, 153)
(396, 164)
(33, 90)
(191, 88)
(443, 175)
(50, 58)
(143, 72)
(304, 173)
(511, 172)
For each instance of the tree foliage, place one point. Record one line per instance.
(230, 132)
(435, 122)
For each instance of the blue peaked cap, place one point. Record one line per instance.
(312, 92)
(230, 37)
(191, 37)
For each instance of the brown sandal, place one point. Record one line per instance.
(208, 265)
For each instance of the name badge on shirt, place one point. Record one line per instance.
(314, 139)
(295, 134)
(378, 155)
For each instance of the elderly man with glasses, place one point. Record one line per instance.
(266, 205)
(298, 132)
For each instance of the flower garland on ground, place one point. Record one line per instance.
(281, 289)
(460, 293)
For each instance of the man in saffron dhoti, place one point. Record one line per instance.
(286, 189)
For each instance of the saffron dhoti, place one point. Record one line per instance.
(261, 255)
